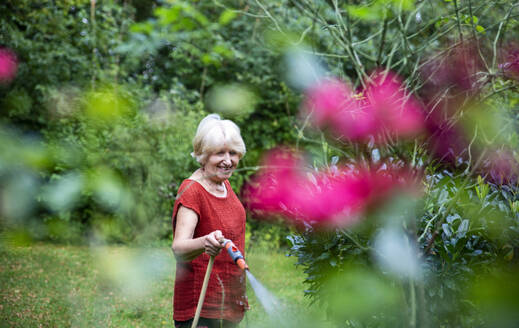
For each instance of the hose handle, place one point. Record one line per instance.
(235, 254)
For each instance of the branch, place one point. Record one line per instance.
(458, 19)
(503, 23)
(271, 17)
(382, 40)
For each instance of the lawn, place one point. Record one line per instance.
(63, 286)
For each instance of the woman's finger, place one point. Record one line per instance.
(213, 240)
(218, 235)
(213, 251)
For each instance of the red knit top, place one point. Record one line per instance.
(225, 297)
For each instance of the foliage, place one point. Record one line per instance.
(58, 45)
(465, 225)
(76, 55)
(96, 127)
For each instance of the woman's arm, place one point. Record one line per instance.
(184, 246)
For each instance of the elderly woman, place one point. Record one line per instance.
(206, 210)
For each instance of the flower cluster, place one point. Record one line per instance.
(382, 110)
(452, 82)
(8, 65)
(326, 198)
(510, 65)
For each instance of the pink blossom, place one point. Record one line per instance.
(382, 109)
(284, 187)
(333, 105)
(500, 167)
(446, 140)
(327, 98)
(454, 70)
(510, 65)
(395, 111)
(8, 65)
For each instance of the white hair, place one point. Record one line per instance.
(212, 134)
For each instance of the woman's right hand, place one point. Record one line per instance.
(212, 245)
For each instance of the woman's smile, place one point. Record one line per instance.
(221, 164)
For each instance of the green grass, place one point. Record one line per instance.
(64, 286)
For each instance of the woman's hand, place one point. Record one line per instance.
(212, 245)
(184, 246)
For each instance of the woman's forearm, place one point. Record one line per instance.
(188, 249)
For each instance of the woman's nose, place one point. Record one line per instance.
(227, 158)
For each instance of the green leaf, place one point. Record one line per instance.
(480, 29)
(141, 28)
(366, 13)
(226, 17)
(222, 50)
(406, 4)
(167, 15)
(207, 59)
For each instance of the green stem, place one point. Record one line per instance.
(355, 241)
(458, 19)
(382, 41)
(412, 291)
(503, 23)
(93, 22)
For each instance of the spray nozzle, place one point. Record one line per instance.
(235, 254)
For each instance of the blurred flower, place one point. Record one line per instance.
(494, 295)
(500, 167)
(8, 65)
(109, 190)
(63, 101)
(132, 273)
(394, 110)
(382, 109)
(231, 99)
(64, 192)
(510, 65)
(450, 82)
(446, 140)
(285, 188)
(303, 68)
(107, 104)
(18, 196)
(454, 70)
(334, 105)
(356, 293)
(396, 253)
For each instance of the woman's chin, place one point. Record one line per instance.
(225, 175)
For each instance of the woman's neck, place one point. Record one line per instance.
(215, 187)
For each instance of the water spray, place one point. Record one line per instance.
(236, 256)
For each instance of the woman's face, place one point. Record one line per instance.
(221, 164)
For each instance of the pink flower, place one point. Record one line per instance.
(446, 140)
(333, 105)
(8, 65)
(324, 198)
(500, 167)
(396, 112)
(453, 71)
(510, 65)
(382, 110)
(327, 98)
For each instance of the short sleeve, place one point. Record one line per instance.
(187, 196)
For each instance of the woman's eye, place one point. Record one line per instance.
(232, 153)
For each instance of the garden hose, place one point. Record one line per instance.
(202, 292)
(236, 256)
